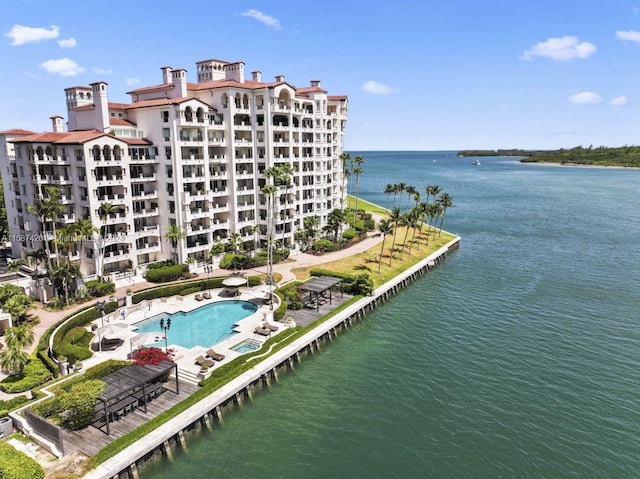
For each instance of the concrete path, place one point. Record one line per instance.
(302, 260)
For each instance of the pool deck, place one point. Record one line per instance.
(186, 357)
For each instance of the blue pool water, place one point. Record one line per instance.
(205, 326)
(246, 346)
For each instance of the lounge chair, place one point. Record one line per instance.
(202, 361)
(198, 297)
(215, 356)
(262, 331)
(271, 327)
(206, 295)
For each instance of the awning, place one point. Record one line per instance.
(234, 281)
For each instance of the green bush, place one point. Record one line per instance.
(324, 245)
(281, 310)
(159, 264)
(254, 281)
(6, 406)
(97, 288)
(166, 274)
(349, 234)
(49, 407)
(95, 372)
(360, 284)
(370, 224)
(34, 374)
(80, 401)
(17, 465)
(292, 295)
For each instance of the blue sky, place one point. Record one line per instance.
(420, 75)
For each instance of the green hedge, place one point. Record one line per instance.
(6, 406)
(175, 289)
(324, 245)
(97, 288)
(71, 351)
(166, 274)
(17, 465)
(34, 374)
(191, 290)
(349, 234)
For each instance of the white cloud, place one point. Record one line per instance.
(20, 34)
(67, 42)
(628, 36)
(376, 88)
(585, 97)
(63, 67)
(101, 71)
(263, 18)
(560, 49)
(620, 101)
(132, 81)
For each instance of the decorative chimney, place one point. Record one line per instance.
(101, 105)
(279, 78)
(256, 75)
(315, 83)
(166, 75)
(56, 124)
(179, 80)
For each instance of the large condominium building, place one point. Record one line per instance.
(180, 156)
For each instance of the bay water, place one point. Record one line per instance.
(518, 356)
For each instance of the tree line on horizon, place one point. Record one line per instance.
(626, 156)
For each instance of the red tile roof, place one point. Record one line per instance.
(248, 84)
(145, 89)
(63, 137)
(121, 122)
(136, 141)
(337, 97)
(16, 131)
(118, 106)
(162, 101)
(311, 89)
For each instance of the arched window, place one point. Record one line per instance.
(40, 153)
(96, 153)
(225, 101)
(245, 101)
(49, 153)
(117, 152)
(107, 152)
(188, 114)
(200, 114)
(237, 100)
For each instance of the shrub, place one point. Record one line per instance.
(370, 224)
(9, 405)
(324, 245)
(97, 288)
(34, 374)
(234, 261)
(15, 464)
(159, 264)
(349, 234)
(166, 274)
(79, 403)
(355, 285)
(291, 295)
(153, 356)
(281, 310)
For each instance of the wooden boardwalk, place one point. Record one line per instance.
(90, 439)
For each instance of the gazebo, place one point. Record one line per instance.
(232, 283)
(126, 388)
(319, 287)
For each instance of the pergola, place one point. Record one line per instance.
(131, 384)
(318, 287)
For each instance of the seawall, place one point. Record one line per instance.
(207, 412)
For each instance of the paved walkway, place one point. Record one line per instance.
(49, 318)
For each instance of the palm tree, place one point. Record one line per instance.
(445, 201)
(399, 188)
(106, 210)
(285, 171)
(13, 359)
(413, 222)
(411, 192)
(431, 190)
(84, 230)
(66, 240)
(19, 336)
(385, 227)
(15, 266)
(394, 217)
(406, 220)
(335, 220)
(435, 212)
(387, 191)
(357, 170)
(268, 190)
(346, 172)
(235, 241)
(173, 235)
(253, 231)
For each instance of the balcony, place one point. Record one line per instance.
(118, 255)
(114, 219)
(153, 230)
(113, 180)
(147, 195)
(148, 248)
(144, 178)
(146, 213)
(143, 159)
(117, 198)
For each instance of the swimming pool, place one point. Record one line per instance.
(246, 346)
(205, 326)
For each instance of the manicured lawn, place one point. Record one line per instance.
(366, 206)
(367, 261)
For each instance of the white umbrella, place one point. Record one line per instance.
(146, 338)
(111, 330)
(234, 281)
